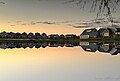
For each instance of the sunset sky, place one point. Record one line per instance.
(26, 15)
(34, 16)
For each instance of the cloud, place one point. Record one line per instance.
(50, 23)
(81, 26)
(18, 21)
(33, 23)
(42, 0)
(42, 22)
(12, 25)
(24, 24)
(2, 2)
(46, 22)
(98, 23)
(102, 22)
(116, 20)
(38, 22)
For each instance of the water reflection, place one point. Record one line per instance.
(107, 47)
(31, 44)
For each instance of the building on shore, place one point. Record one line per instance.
(101, 33)
(89, 33)
(106, 32)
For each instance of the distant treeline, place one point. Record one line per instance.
(24, 35)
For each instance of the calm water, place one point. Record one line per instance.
(57, 64)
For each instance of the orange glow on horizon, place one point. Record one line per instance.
(48, 29)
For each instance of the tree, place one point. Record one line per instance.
(102, 6)
(44, 36)
(37, 36)
(18, 35)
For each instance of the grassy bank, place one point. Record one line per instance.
(63, 40)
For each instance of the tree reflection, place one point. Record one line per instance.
(107, 47)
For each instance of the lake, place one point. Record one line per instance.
(57, 64)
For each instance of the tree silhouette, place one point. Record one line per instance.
(105, 7)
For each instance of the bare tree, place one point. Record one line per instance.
(105, 7)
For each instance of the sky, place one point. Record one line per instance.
(44, 16)
(34, 16)
(28, 10)
(20, 15)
